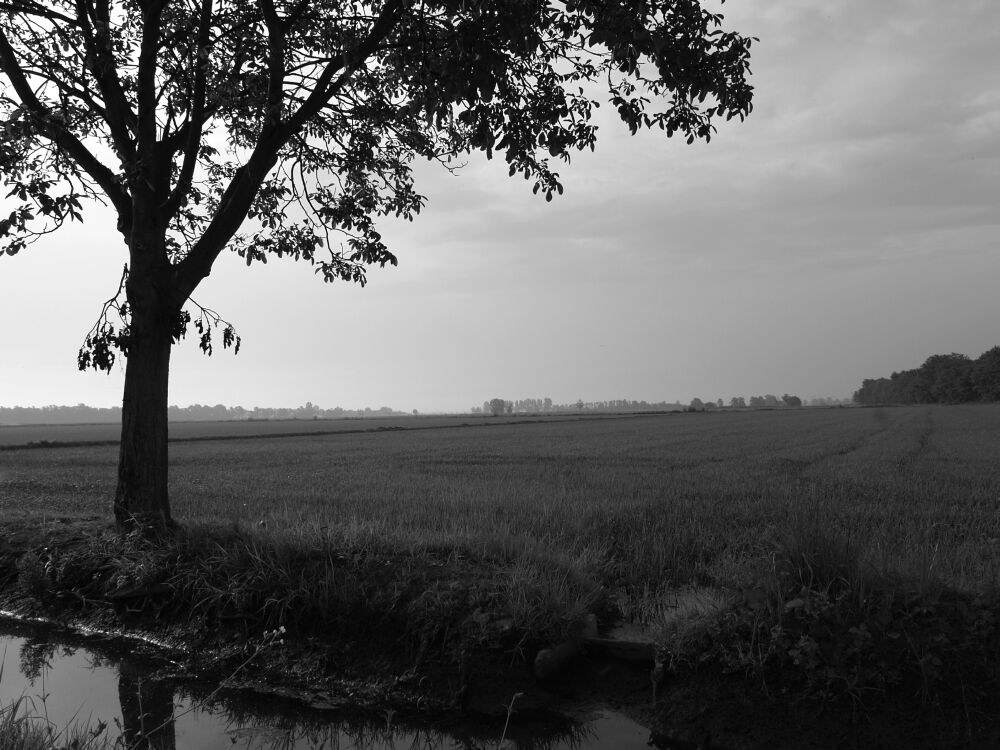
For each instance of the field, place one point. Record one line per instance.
(850, 555)
(643, 502)
(13, 435)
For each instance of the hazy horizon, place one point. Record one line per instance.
(843, 232)
(403, 409)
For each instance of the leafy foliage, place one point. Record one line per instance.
(941, 379)
(300, 119)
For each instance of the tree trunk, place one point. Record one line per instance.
(141, 499)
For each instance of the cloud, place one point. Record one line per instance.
(846, 229)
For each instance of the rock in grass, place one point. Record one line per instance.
(552, 660)
(549, 661)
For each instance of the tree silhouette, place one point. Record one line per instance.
(941, 379)
(297, 121)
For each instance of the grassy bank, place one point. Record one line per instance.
(852, 549)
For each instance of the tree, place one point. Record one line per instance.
(947, 379)
(793, 401)
(986, 374)
(298, 120)
(738, 402)
(497, 406)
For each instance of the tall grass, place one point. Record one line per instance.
(638, 506)
(22, 727)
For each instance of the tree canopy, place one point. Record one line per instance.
(305, 115)
(286, 128)
(941, 379)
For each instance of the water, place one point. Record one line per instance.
(67, 682)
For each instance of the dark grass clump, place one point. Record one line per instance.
(225, 583)
(822, 625)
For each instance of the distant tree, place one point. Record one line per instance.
(986, 375)
(303, 117)
(738, 402)
(497, 406)
(793, 401)
(508, 407)
(947, 379)
(719, 403)
(878, 391)
(548, 404)
(757, 402)
(770, 401)
(941, 379)
(696, 405)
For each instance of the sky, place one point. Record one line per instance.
(848, 229)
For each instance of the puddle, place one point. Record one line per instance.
(65, 683)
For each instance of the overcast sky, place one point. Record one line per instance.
(847, 229)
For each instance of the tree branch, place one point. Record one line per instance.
(117, 112)
(347, 63)
(31, 8)
(146, 96)
(243, 187)
(233, 208)
(275, 64)
(196, 118)
(55, 130)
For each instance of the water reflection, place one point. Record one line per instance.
(69, 684)
(147, 708)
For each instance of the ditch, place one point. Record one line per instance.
(64, 680)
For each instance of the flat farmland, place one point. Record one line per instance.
(12, 435)
(639, 503)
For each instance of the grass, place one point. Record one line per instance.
(650, 501)
(22, 727)
(776, 517)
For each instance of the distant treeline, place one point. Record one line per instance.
(499, 406)
(942, 379)
(81, 413)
